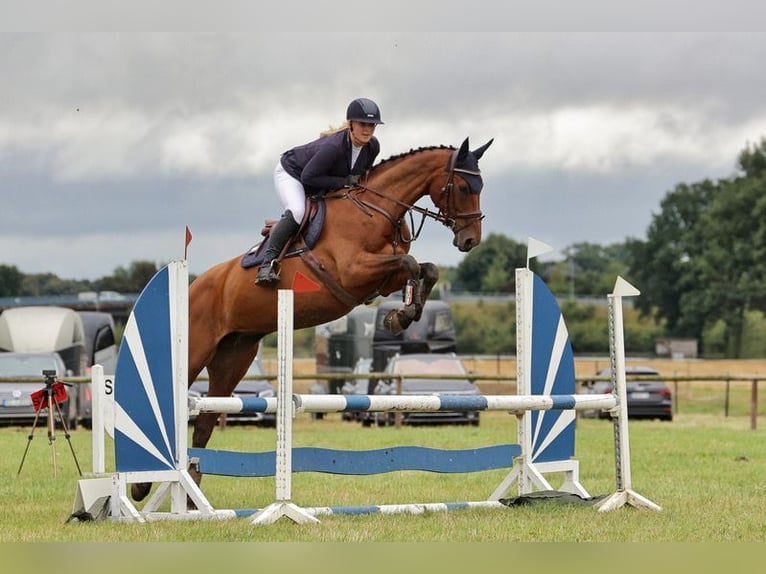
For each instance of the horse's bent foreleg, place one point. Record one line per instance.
(429, 275)
(399, 319)
(401, 271)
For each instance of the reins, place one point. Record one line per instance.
(447, 220)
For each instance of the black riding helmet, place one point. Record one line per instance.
(363, 110)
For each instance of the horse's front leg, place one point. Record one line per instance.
(416, 292)
(429, 275)
(373, 274)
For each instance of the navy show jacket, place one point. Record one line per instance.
(325, 163)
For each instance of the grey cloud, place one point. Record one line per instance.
(126, 137)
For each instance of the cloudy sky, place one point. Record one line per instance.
(111, 143)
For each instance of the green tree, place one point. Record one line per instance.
(588, 269)
(41, 284)
(732, 268)
(130, 280)
(10, 281)
(491, 266)
(704, 259)
(660, 267)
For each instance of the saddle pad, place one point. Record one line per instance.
(310, 235)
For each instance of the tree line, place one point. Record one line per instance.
(131, 279)
(701, 268)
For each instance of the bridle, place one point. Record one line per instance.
(443, 216)
(447, 190)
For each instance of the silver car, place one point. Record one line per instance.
(250, 386)
(433, 364)
(16, 397)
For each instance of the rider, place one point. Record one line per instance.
(330, 162)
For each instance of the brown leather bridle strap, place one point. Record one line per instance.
(451, 221)
(448, 220)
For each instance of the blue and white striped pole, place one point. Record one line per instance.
(513, 404)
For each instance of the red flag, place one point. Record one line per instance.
(188, 240)
(302, 284)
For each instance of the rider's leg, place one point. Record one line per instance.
(293, 198)
(280, 234)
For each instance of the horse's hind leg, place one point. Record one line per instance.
(229, 364)
(232, 359)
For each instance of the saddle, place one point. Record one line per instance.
(304, 239)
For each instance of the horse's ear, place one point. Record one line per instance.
(480, 151)
(462, 153)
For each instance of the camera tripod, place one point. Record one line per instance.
(49, 398)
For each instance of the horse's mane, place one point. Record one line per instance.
(408, 153)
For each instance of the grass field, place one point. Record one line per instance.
(706, 471)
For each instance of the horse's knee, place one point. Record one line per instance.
(429, 273)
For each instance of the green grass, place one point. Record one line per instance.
(706, 471)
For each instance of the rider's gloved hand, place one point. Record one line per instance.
(352, 181)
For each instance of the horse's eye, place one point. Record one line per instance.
(464, 188)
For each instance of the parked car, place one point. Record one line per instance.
(46, 329)
(646, 399)
(427, 364)
(433, 333)
(250, 386)
(350, 386)
(359, 386)
(100, 349)
(16, 397)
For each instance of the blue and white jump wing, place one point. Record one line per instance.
(552, 373)
(145, 410)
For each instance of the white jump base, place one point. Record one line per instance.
(156, 451)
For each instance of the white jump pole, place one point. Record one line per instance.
(97, 423)
(285, 412)
(625, 493)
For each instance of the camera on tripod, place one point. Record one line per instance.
(54, 388)
(50, 397)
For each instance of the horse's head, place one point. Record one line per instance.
(458, 199)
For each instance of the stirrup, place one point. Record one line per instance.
(268, 274)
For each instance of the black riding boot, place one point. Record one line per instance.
(280, 234)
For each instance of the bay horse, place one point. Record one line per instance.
(362, 253)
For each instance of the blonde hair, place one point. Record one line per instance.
(331, 130)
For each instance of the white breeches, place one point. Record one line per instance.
(290, 192)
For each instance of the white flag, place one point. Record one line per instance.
(535, 248)
(624, 289)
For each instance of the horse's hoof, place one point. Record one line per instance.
(391, 322)
(140, 490)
